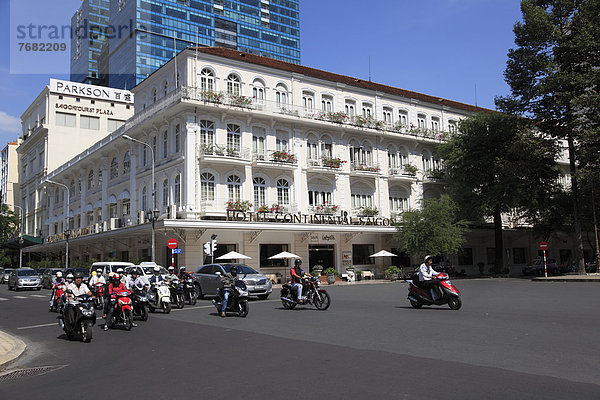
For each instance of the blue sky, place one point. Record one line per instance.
(439, 47)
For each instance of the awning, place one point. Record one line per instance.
(111, 199)
(124, 195)
(27, 241)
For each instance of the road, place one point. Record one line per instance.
(513, 339)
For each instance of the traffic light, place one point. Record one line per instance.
(213, 245)
(207, 248)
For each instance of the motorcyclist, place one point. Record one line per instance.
(182, 273)
(114, 287)
(171, 277)
(135, 282)
(74, 289)
(97, 278)
(228, 281)
(426, 274)
(56, 283)
(123, 274)
(156, 276)
(297, 276)
(70, 278)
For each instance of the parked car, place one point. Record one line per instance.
(24, 278)
(145, 270)
(537, 267)
(207, 281)
(49, 275)
(6, 274)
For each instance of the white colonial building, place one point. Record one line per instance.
(267, 155)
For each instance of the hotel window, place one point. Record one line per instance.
(367, 110)
(360, 156)
(361, 254)
(89, 216)
(403, 117)
(234, 188)
(144, 155)
(207, 80)
(90, 179)
(165, 193)
(435, 124)
(126, 163)
(64, 119)
(112, 211)
(126, 208)
(258, 92)
(308, 101)
(114, 168)
(207, 187)
(177, 190)
(154, 142)
(426, 161)
(114, 124)
(233, 138)
(421, 118)
(312, 149)
(72, 187)
(281, 144)
(283, 191)
(326, 103)
(56, 197)
(361, 200)
(165, 144)
(452, 126)
(392, 158)
(387, 115)
(316, 198)
(281, 95)
(144, 199)
(177, 139)
(100, 178)
(233, 85)
(165, 88)
(154, 95)
(207, 133)
(260, 190)
(326, 147)
(398, 200)
(269, 250)
(258, 142)
(350, 108)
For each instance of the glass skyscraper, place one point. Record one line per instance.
(145, 34)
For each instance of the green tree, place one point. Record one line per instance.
(9, 223)
(554, 76)
(432, 230)
(498, 165)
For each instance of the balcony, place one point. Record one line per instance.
(275, 159)
(223, 154)
(325, 164)
(364, 168)
(434, 176)
(402, 173)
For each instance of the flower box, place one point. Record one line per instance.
(284, 156)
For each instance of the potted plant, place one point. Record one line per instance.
(410, 169)
(359, 275)
(331, 274)
(392, 273)
(317, 269)
(264, 209)
(283, 156)
(239, 205)
(326, 208)
(367, 211)
(332, 162)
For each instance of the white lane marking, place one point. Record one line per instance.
(212, 306)
(3, 299)
(37, 326)
(39, 295)
(19, 297)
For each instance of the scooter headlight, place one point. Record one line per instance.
(86, 312)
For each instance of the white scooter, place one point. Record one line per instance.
(159, 296)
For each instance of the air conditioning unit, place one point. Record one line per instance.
(260, 157)
(314, 163)
(115, 223)
(141, 217)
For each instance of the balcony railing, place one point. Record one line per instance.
(223, 151)
(364, 166)
(401, 171)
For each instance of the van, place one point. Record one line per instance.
(109, 266)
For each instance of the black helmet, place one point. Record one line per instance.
(233, 270)
(78, 274)
(134, 271)
(298, 262)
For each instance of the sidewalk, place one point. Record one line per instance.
(10, 348)
(595, 277)
(355, 283)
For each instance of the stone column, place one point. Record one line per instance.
(191, 173)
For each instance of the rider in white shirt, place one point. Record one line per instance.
(426, 274)
(97, 278)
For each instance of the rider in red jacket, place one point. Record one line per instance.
(115, 287)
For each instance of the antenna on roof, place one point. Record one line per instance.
(369, 68)
(475, 95)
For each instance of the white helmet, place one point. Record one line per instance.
(171, 268)
(119, 270)
(157, 269)
(427, 257)
(70, 276)
(59, 274)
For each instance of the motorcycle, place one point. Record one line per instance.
(85, 318)
(98, 292)
(311, 294)
(447, 293)
(159, 297)
(237, 301)
(176, 289)
(140, 303)
(56, 302)
(122, 310)
(189, 290)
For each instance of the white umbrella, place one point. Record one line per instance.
(383, 253)
(283, 255)
(233, 255)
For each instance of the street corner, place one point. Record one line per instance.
(11, 348)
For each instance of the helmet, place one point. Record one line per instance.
(171, 268)
(116, 278)
(427, 258)
(182, 268)
(134, 271)
(233, 270)
(94, 273)
(70, 276)
(59, 274)
(78, 275)
(119, 270)
(156, 270)
(110, 275)
(298, 262)
(99, 270)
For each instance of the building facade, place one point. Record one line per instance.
(144, 35)
(9, 179)
(65, 119)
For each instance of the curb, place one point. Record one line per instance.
(11, 348)
(565, 280)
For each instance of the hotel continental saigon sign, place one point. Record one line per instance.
(288, 218)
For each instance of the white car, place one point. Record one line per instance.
(145, 270)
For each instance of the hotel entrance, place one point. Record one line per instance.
(321, 254)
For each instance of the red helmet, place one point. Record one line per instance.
(116, 278)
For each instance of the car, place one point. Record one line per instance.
(537, 267)
(207, 281)
(6, 274)
(146, 269)
(24, 278)
(49, 275)
(109, 266)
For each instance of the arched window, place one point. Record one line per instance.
(398, 199)
(165, 88)
(308, 101)
(403, 117)
(154, 95)
(72, 187)
(114, 168)
(165, 193)
(326, 103)
(90, 179)
(281, 95)
(233, 139)
(207, 80)
(177, 190)
(234, 187)
(207, 187)
(144, 199)
(165, 144)
(207, 135)
(260, 190)
(177, 138)
(283, 191)
(233, 85)
(361, 196)
(427, 161)
(258, 91)
(126, 163)
(421, 121)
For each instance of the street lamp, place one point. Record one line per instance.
(154, 213)
(20, 236)
(68, 230)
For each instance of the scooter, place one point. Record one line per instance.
(56, 302)
(176, 288)
(447, 293)
(189, 291)
(237, 301)
(159, 297)
(85, 318)
(140, 303)
(122, 310)
(98, 292)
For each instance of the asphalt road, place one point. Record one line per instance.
(513, 339)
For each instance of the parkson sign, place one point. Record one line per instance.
(288, 218)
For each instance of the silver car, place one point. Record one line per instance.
(24, 278)
(207, 281)
(6, 275)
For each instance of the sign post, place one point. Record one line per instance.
(544, 246)
(172, 244)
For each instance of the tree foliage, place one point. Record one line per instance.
(433, 230)
(9, 223)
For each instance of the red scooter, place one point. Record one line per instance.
(123, 310)
(56, 303)
(446, 293)
(98, 292)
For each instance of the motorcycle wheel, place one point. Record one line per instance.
(144, 313)
(128, 319)
(325, 301)
(111, 322)
(151, 309)
(99, 302)
(415, 304)
(86, 331)
(193, 299)
(166, 307)
(243, 308)
(180, 301)
(454, 303)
